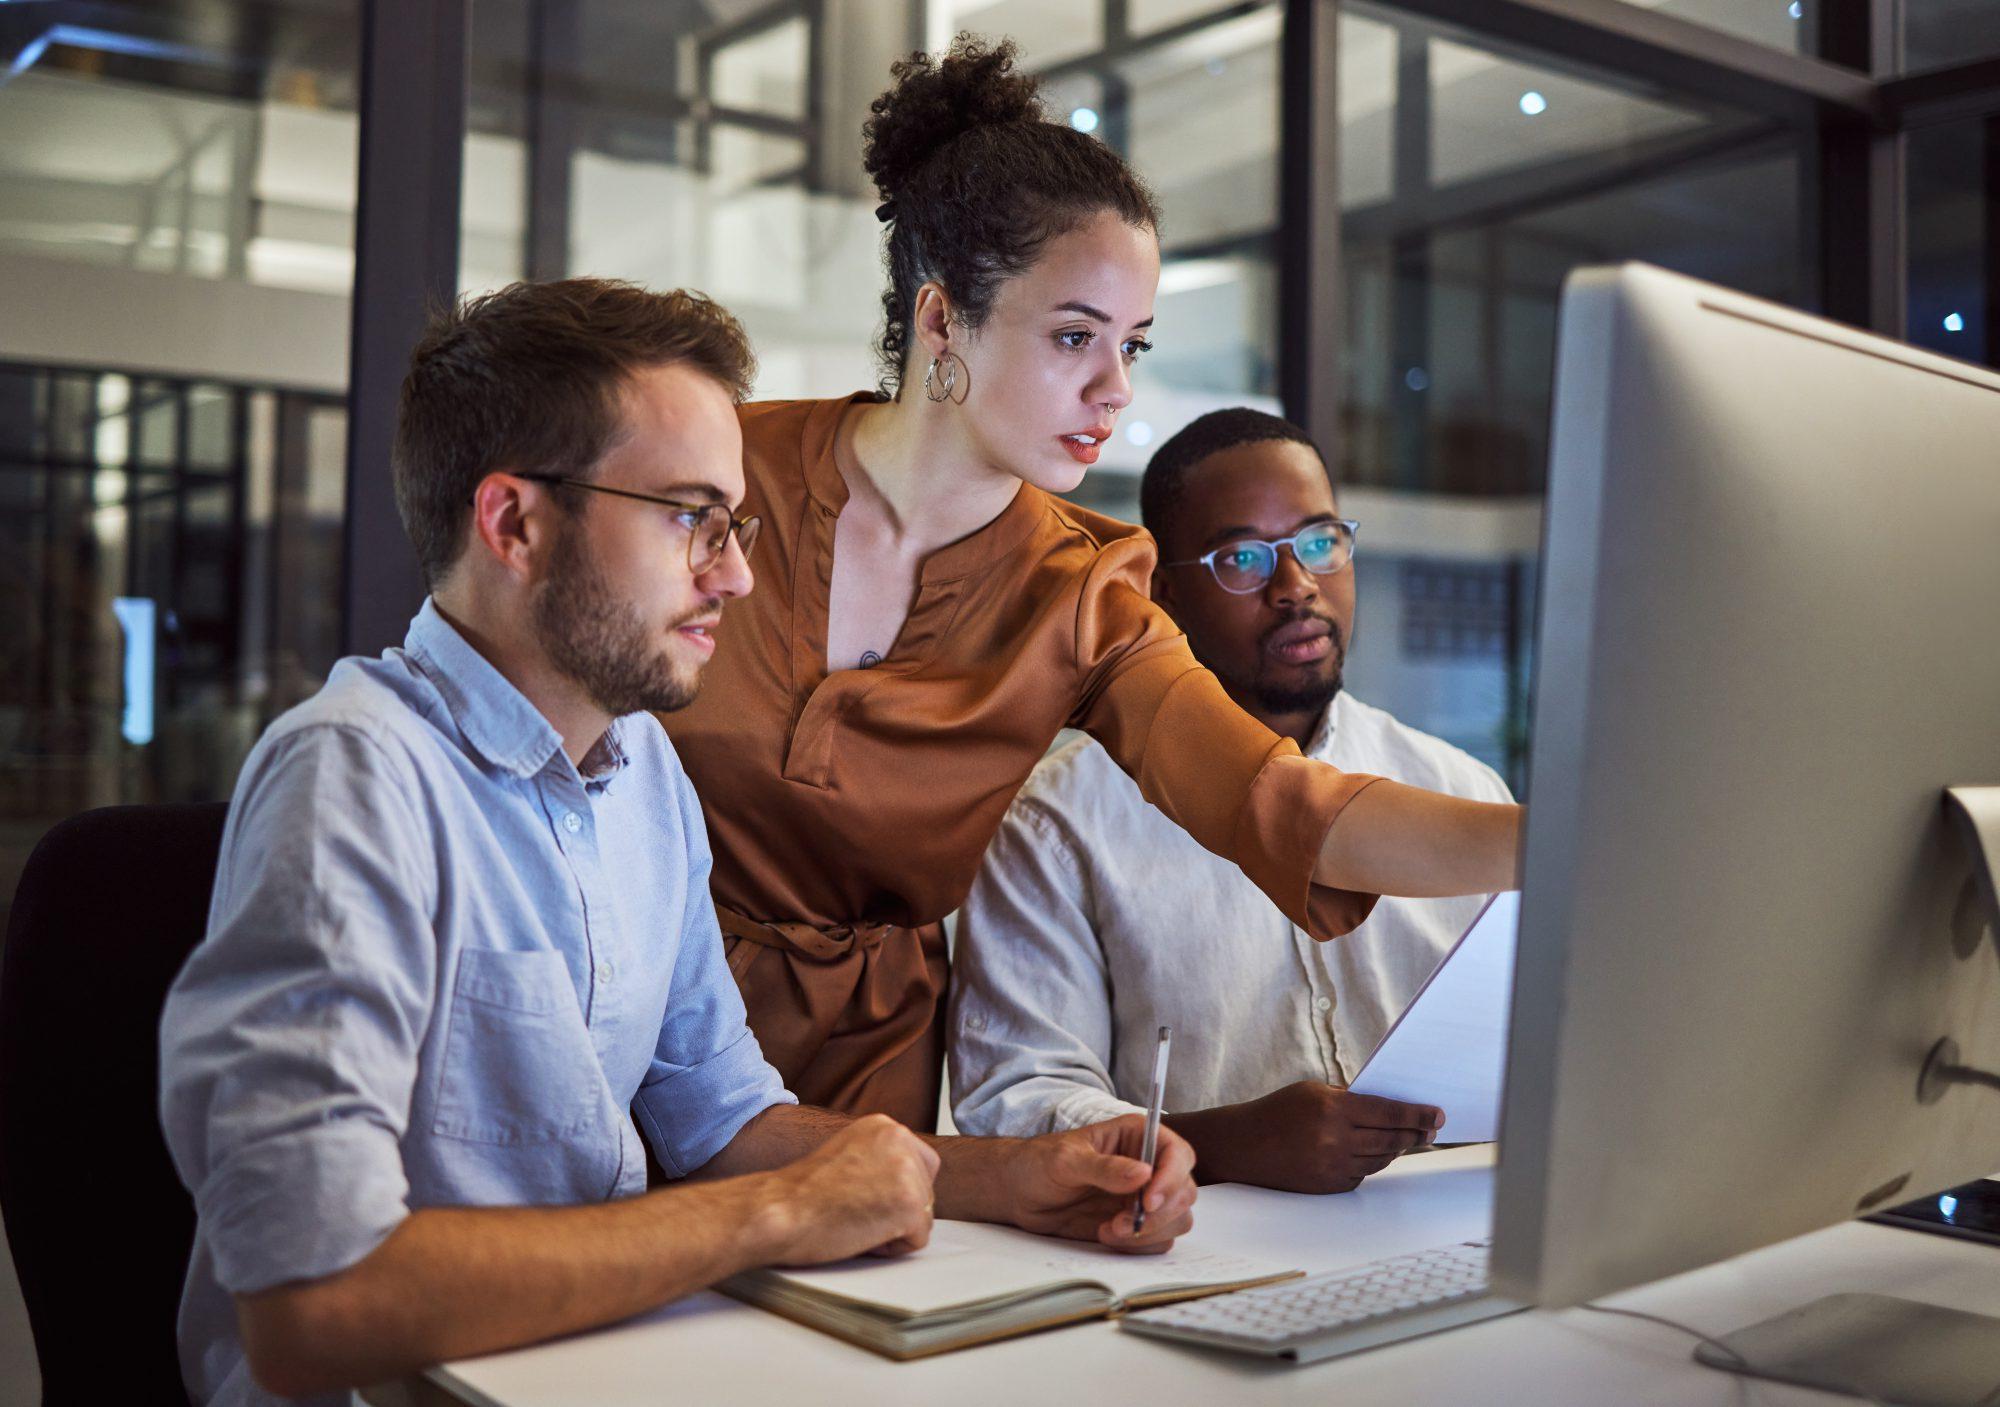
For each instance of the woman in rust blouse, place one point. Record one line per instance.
(928, 614)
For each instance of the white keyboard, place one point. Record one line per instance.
(1341, 1311)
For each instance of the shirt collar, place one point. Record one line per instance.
(1321, 741)
(496, 719)
(607, 756)
(823, 478)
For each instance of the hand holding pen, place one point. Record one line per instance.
(1156, 1103)
(1094, 1182)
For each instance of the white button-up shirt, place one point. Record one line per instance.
(1095, 920)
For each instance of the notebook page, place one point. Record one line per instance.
(1449, 1047)
(968, 1261)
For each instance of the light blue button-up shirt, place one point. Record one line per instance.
(442, 963)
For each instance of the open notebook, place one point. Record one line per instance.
(975, 1283)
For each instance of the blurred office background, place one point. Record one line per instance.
(1370, 208)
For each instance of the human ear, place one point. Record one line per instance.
(931, 320)
(510, 520)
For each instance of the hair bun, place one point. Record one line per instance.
(933, 100)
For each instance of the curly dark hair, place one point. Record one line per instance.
(975, 180)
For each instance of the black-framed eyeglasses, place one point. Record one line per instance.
(708, 524)
(1243, 566)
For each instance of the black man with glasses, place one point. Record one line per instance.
(1095, 920)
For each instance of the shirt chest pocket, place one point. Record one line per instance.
(519, 1067)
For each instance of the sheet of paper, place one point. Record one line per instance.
(1449, 1047)
(968, 1261)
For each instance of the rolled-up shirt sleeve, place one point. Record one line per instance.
(1239, 789)
(289, 1042)
(1031, 1019)
(708, 1076)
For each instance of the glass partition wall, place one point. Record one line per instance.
(177, 224)
(1474, 177)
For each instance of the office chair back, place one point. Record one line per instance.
(109, 907)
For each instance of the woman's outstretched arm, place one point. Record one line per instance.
(1397, 839)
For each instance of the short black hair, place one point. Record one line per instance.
(1164, 484)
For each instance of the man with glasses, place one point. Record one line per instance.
(461, 933)
(1095, 920)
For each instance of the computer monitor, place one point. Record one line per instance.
(1769, 639)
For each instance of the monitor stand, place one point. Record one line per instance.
(1975, 815)
(1875, 1347)
(1879, 1347)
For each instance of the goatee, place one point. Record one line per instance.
(1314, 695)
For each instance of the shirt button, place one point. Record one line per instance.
(572, 822)
(1322, 1004)
(603, 973)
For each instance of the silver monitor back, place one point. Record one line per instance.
(1769, 636)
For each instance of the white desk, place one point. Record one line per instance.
(711, 1350)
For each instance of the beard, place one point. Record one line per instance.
(1311, 695)
(599, 641)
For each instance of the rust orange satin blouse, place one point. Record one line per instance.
(849, 811)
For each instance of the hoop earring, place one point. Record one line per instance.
(941, 392)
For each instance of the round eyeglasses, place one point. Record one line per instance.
(708, 524)
(1243, 566)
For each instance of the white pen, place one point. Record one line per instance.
(1154, 1105)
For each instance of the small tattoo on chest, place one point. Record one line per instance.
(869, 659)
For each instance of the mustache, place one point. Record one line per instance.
(710, 609)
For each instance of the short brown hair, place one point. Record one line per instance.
(528, 378)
